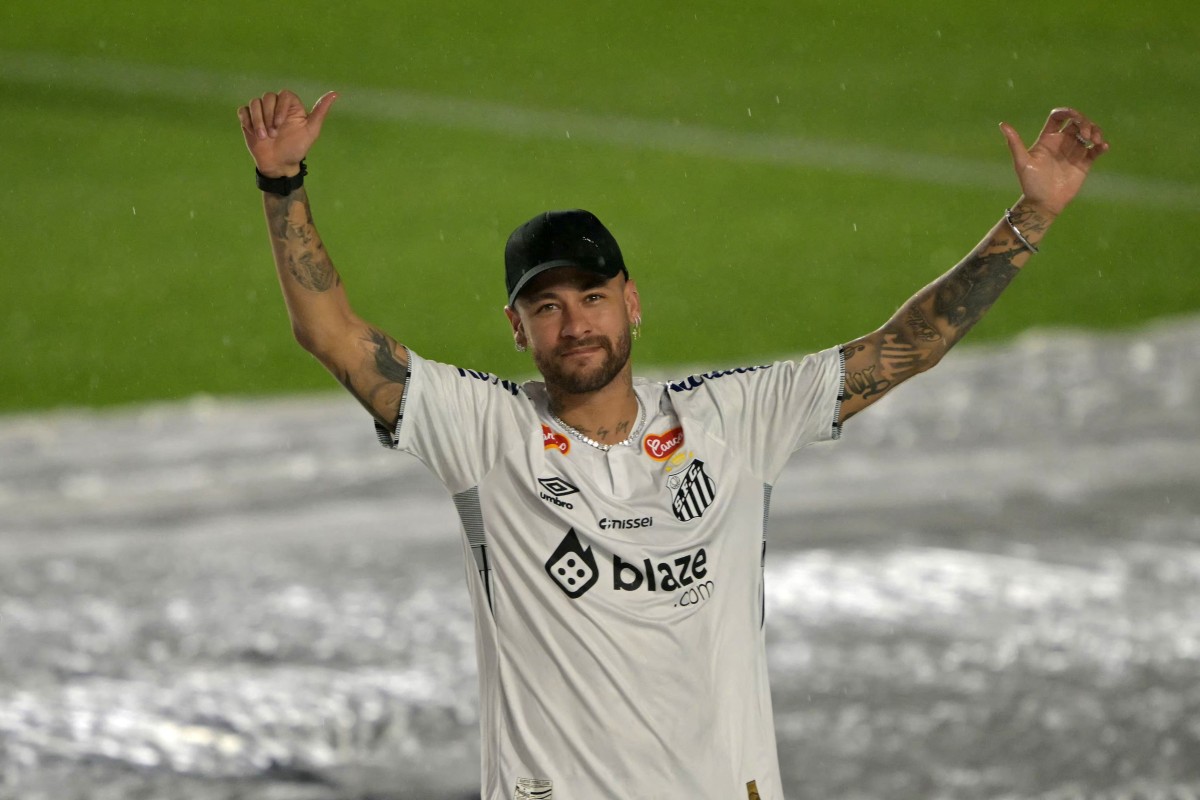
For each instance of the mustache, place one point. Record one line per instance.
(595, 341)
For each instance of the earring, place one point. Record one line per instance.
(635, 331)
(519, 347)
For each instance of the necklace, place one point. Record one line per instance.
(604, 448)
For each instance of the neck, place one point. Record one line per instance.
(607, 415)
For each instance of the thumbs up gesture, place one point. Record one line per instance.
(279, 130)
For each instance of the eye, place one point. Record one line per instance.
(546, 307)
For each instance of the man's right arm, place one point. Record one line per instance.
(369, 363)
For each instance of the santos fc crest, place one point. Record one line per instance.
(694, 492)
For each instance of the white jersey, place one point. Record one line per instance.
(618, 595)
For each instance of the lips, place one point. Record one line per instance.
(584, 349)
(580, 351)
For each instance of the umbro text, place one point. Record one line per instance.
(549, 498)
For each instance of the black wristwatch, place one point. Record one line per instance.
(282, 186)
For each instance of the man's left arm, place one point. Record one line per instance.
(1051, 173)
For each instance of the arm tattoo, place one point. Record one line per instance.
(381, 380)
(866, 383)
(1029, 221)
(387, 365)
(920, 327)
(294, 236)
(938, 316)
(968, 291)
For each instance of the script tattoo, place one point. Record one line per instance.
(866, 383)
(1029, 221)
(920, 326)
(294, 234)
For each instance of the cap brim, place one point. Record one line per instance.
(549, 265)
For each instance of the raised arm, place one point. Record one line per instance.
(279, 132)
(1051, 173)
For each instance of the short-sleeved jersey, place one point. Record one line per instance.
(618, 595)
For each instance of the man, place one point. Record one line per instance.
(615, 528)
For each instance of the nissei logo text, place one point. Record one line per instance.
(607, 524)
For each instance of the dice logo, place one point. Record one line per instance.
(572, 566)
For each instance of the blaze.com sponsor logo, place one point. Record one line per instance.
(683, 575)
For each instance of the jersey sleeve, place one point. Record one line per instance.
(456, 421)
(767, 413)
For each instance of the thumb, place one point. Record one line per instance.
(1015, 145)
(316, 117)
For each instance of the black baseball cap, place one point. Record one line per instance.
(572, 238)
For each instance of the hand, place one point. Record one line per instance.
(279, 131)
(1053, 170)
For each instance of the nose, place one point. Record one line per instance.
(576, 323)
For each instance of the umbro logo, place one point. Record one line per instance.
(557, 486)
(554, 489)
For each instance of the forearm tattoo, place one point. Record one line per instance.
(968, 291)
(938, 316)
(294, 237)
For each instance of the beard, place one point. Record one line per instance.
(589, 379)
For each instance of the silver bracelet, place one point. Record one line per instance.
(1020, 236)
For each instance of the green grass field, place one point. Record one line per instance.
(135, 264)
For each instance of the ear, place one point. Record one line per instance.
(633, 303)
(514, 320)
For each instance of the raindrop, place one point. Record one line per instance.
(192, 214)
(855, 225)
(1010, 83)
(568, 134)
(748, 114)
(134, 210)
(776, 99)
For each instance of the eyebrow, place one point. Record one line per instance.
(591, 282)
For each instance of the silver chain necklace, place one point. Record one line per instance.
(604, 448)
